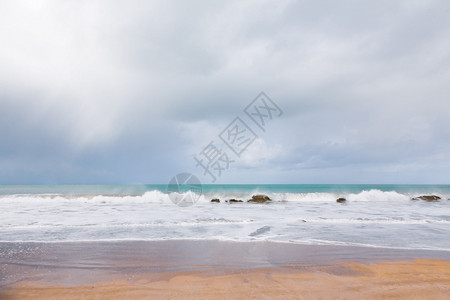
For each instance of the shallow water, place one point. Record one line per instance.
(373, 215)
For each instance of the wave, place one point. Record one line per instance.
(197, 222)
(156, 196)
(234, 240)
(223, 221)
(374, 221)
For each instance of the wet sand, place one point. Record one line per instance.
(212, 269)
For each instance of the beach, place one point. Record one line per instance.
(202, 269)
(224, 150)
(295, 242)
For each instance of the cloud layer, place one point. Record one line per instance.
(109, 92)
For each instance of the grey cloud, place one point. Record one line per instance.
(101, 92)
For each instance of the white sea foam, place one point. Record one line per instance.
(156, 196)
(371, 217)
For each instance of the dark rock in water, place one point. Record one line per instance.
(259, 199)
(215, 200)
(233, 201)
(341, 200)
(428, 198)
(260, 230)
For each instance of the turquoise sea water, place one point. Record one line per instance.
(372, 216)
(223, 188)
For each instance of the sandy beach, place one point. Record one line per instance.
(219, 270)
(224, 150)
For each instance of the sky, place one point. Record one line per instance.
(112, 92)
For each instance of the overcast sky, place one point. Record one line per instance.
(131, 91)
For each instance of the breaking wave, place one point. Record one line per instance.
(156, 196)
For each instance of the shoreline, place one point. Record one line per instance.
(137, 240)
(67, 269)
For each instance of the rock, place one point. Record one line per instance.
(215, 200)
(259, 199)
(341, 200)
(234, 201)
(428, 198)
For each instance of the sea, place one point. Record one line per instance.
(372, 215)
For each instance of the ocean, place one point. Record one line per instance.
(372, 216)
